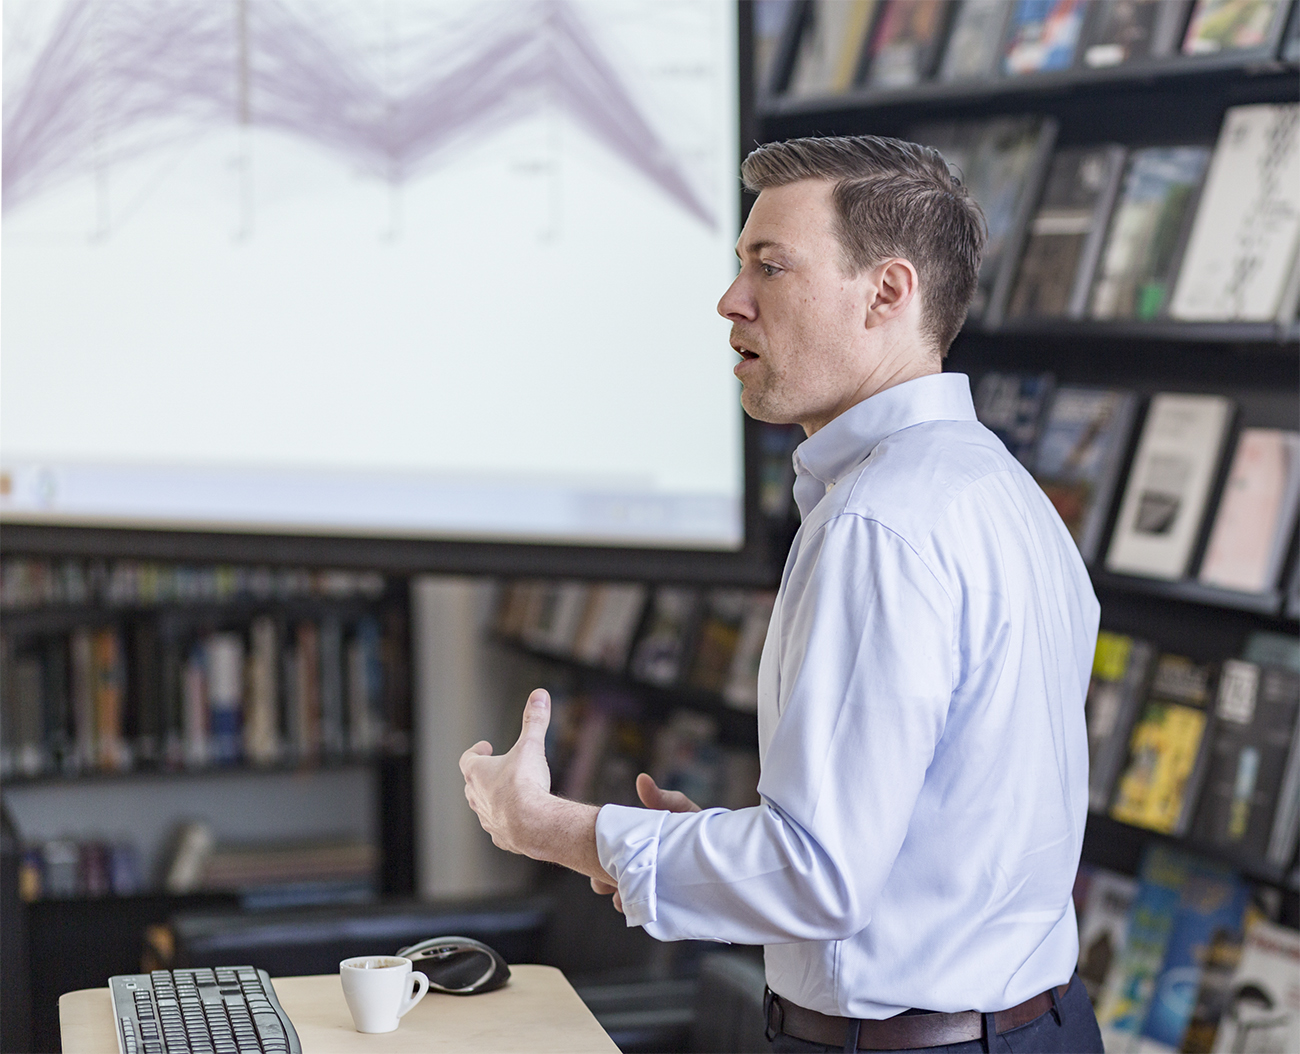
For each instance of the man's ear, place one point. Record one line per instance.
(896, 282)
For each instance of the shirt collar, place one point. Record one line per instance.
(825, 457)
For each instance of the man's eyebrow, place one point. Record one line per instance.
(759, 246)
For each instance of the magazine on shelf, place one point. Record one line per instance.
(1121, 673)
(1290, 49)
(741, 689)
(660, 656)
(1167, 752)
(1285, 832)
(771, 19)
(1218, 26)
(613, 614)
(1263, 1007)
(1244, 243)
(1043, 35)
(1079, 456)
(1126, 996)
(1103, 927)
(1065, 235)
(1124, 31)
(975, 40)
(1211, 908)
(555, 617)
(1146, 232)
(1001, 162)
(1011, 406)
(830, 48)
(1254, 725)
(1169, 485)
(717, 638)
(905, 42)
(1256, 514)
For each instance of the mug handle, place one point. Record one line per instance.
(422, 986)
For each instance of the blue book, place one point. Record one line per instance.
(1212, 907)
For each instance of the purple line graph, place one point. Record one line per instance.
(107, 81)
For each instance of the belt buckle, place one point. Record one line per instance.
(770, 999)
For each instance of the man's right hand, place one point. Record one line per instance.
(652, 797)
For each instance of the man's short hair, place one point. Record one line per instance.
(891, 198)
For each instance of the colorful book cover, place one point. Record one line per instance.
(1126, 996)
(905, 42)
(605, 638)
(1169, 483)
(1254, 724)
(1011, 406)
(1256, 512)
(1139, 262)
(1242, 251)
(1121, 670)
(1210, 909)
(975, 40)
(1133, 30)
(1232, 25)
(1043, 35)
(1065, 235)
(1158, 786)
(1079, 455)
(1263, 1009)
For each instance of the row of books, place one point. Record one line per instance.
(1180, 958)
(1202, 749)
(38, 582)
(117, 698)
(263, 873)
(825, 48)
(669, 637)
(598, 741)
(1104, 232)
(86, 867)
(1075, 440)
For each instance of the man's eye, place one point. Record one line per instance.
(769, 269)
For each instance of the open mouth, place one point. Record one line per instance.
(745, 353)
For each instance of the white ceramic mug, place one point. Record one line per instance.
(378, 990)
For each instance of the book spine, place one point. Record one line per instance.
(333, 741)
(308, 679)
(194, 692)
(109, 684)
(262, 716)
(225, 664)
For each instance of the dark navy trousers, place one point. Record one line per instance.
(1075, 1033)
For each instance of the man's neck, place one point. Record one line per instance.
(888, 372)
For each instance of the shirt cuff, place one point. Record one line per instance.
(627, 843)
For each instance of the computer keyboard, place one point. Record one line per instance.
(223, 1010)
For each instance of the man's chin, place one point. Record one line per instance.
(762, 409)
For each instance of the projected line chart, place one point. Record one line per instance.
(104, 82)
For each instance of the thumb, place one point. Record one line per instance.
(537, 718)
(653, 797)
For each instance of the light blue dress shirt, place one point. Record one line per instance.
(921, 729)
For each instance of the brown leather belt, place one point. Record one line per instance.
(903, 1031)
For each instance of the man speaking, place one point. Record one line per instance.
(921, 724)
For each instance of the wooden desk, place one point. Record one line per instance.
(538, 1011)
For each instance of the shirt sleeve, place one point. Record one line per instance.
(865, 646)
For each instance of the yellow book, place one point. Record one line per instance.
(1162, 754)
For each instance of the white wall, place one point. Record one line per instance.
(466, 688)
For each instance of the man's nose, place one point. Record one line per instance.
(736, 304)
